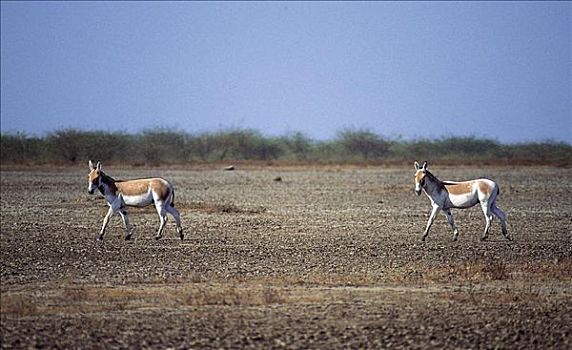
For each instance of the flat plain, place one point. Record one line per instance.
(286, 257)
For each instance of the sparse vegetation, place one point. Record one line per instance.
(325, 258)
(163, 146)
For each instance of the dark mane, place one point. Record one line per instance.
(107, 177)
(440, 184)
(109, 181)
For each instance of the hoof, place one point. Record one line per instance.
(182, 236)
(99, 238)
(484, 238)
(128, 237)
(158, 237)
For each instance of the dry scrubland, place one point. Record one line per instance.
(325, 258)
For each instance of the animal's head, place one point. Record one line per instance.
(420, 173)
(94, 177)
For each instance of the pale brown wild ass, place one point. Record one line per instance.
(137, 193)
(445, 195)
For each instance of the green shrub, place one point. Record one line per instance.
(21, 149)
(363, 144)
(73, 145)
(163, 146)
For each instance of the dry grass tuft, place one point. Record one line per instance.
(87, 299)
(78, 294)
(235, 296)
(495, 271)
(18, 304)
(216, 208)
(484, 271)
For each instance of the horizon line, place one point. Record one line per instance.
(178, 130)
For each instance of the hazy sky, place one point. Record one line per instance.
(429, 69)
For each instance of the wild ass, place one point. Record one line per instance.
(137, 193)
(445, 195)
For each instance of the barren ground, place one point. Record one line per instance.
(328, 257)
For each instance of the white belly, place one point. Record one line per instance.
(141, 200)
(463, 200)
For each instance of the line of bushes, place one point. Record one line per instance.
(163, 146)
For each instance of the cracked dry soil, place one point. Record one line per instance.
(327, 258)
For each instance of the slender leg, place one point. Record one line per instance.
(502, 217)
(434, 212)
(163, 217)
(109, 214)
(452, 223)
(488, 218)
(128, 227)
(175, 213)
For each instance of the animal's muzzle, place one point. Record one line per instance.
(90, 191)
(417, 192)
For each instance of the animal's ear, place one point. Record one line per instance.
(98, 166)
(91, 167)
(416, 165)
(424, 167)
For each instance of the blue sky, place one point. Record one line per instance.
(402, 69)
